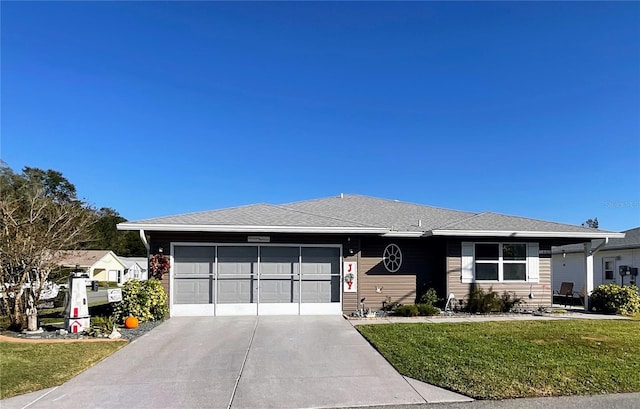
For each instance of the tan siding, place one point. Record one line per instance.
(541, 291)
(371, 274)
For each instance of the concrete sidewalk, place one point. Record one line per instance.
(484, 318)
(241, 362)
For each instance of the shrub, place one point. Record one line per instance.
(612, 298)
(407, 310)
(430, 297)
(145, 300)
(483, 301)
(388, 305)
(101, 326)
(428, 309)
(509, 302)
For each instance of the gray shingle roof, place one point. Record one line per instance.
(355, 213)
(253, 215)
(501, 222)
(631, 240)
(390, 214)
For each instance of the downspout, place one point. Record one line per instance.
(589, 253)
(143, 237)
(144, 241)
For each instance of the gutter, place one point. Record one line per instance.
(540, 234)
(250, 229)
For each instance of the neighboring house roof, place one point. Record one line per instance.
(129, 262)
(363, 214)
(631, 240)
(81, 258)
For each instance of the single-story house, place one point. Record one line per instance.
(324, 256)
(569, 262)
(100, 265)
(136, 268)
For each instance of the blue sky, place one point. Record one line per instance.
(158, 108)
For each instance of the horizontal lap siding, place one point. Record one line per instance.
(399, 286)
(541, 290)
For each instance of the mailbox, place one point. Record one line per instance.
(624, 270)
(76, 310)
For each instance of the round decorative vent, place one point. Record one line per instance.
(392, 258)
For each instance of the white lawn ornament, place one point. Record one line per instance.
(450, 298)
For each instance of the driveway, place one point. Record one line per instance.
(240, 362)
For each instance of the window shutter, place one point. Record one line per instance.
(467, 262)
(533, 266)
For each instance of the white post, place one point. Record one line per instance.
(589, 274)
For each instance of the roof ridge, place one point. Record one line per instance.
(381, 199)
(461, 221)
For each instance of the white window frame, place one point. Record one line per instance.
(501, 262)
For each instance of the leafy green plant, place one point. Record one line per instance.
(430, 297)
(145, 300)
(509, 302)
(101, 326)
(483, 301)
(407, 310)
(428, 309)
(614, 299)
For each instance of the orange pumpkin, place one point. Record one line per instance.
(131, 322)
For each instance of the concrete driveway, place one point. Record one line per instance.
(240, 362)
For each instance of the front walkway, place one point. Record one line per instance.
(574, 314)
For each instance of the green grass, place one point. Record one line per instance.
(28, 367)
(501, 360)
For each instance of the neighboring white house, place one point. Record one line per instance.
(569, 262)
(105, 265)
(137, 268)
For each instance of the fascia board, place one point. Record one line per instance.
(537, 234)
(249, 229)
(404, 234)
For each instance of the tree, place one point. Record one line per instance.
(39, 215)
(107, 237)
(591, 223)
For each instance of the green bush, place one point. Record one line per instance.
(407, 310)
(430, 297)
(428, 309)
(483, 301)
(614, 299)
(145, 300)
(101, 326)
(509, 302)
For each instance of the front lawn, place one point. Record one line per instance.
(27, 367)
(501, 360)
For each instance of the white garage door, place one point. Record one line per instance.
(214, 279)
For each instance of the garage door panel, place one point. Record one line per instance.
(321, 289)
(193, 260)
(279, 290)
(236, 290)
(193, 291)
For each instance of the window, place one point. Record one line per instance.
(609, 268)
(392, 258)
(500, 261)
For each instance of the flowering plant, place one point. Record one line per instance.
(158, 266)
